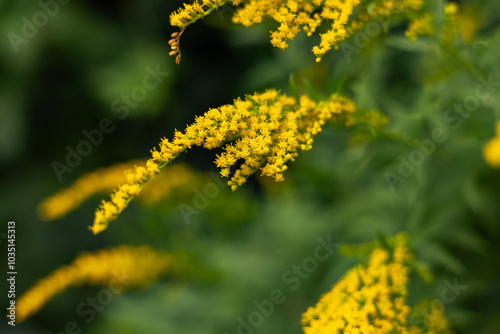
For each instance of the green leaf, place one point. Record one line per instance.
(292, 86)
(311, 92)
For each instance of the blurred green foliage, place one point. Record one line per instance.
(65, 79)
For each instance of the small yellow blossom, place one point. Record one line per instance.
(371, 298)
(118, 268)
(450, 28)
(266, 129)
(491, 151)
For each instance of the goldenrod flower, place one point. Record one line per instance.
(118, 268)
(491, 150)
(342, 18)
(105, 180)
(371, 298)
(337, 15)
(268, 129)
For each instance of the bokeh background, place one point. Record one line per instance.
(65, 79)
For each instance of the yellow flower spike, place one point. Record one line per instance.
(268, 130)
(371, 298)
(117, 268)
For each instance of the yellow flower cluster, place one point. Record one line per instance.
(105, 180)
(269, 129)
(371, 298)
(343, 18)
(118, 268)
(293, 14)
(339, 16)
(491, 150)
(277, 130)
(425, 25)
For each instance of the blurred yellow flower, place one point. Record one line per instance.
(118, 268)
(421, 26)
(468, 22)
(450, 28)
(491, 150)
